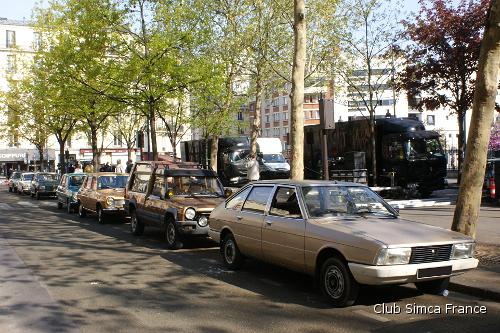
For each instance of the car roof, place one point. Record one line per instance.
(106, 174)
(306, 182)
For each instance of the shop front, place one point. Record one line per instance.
(18, 159)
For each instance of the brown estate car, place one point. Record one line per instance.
(342, 233)
(102, 193)
(173, 196)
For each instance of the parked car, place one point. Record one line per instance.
(24, 183)
(14, 178)
(67, 190)
(44, 184)
(176, 197)
(102, 193)
(342, 233)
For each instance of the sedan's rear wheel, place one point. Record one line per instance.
(337, 283)
(59, 204)
(231, 255)
(434, 287)
(37, 195)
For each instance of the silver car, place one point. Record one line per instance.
(24, 183)
(344, 234)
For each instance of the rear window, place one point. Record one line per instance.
(257, 199)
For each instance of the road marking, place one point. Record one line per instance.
(25, 203)
(372, 316)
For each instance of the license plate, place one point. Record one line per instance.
(434, 271)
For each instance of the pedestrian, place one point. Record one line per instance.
(128, 169)
(71, 168)
(78, 168)
(119, 167)
(107, 167)
(88, 168)
(253, 171)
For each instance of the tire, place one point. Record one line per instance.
(81, 211)
(434, 287)
(231, 255)
(10, 189)
(101, 216)
(69, 209)
(37, 195)
(59, 204)
(32, 194)
(172, 236)
(337, 283)
(136, 226)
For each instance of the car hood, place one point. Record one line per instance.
(395, 232)
(199, 202)
(113, 192)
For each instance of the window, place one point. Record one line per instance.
(268, 119)
(240, 115)
(276, 117)
(11, 63)
(257, 199)
(117, 140)
(10, 39)
(286, 130)
(36, 41)
(140, 183)
(393, 150)
(285, 115)
(276, 131)
(285, 203)
(431, 120)
(284, 101)
(237, 202)
(159, 186)
(315, 114)
(268, 132)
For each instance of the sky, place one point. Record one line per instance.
(19, 9)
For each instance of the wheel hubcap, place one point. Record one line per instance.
(334, 282)
(170, 233)
(229, 251)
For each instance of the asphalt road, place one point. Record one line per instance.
(488, 225)
(60, 273)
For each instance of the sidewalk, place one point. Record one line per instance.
(482, 282)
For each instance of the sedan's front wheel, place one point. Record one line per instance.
(172, 235)
(101, 216)
(434, 287)
(81, 211)
(136, 226)
(231, 255)
(337, 283)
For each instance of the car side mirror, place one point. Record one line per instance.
(228, 192)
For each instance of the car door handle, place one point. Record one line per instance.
(239, 217)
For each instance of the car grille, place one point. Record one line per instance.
(423, 254)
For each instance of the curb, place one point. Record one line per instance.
(475, 291)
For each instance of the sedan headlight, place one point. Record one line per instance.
(190, 213)
(203, 221)
(463, 250)
(394, 256)
(110, 201)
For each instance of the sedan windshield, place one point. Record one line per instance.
(27, 176)
(273, 158)
(326, 201)
(194, 185)
(76, 180)
(111, 181)
(44, 177)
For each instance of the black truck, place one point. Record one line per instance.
(232, 158)
(407, 155)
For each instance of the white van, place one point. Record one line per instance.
(272, 162)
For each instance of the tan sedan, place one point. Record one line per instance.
(103, 194)
(342, 233)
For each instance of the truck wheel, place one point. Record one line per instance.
(136, 226)
(434, 287)
(172, 236)
(337, 283)
(101, 216)
(231, 255)
(81, 211)
(59, 204)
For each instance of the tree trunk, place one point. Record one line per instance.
(461, 144)
(152, 130)
(40, 156)
(62, 143)
(214, 147)
(256, 130)
(297, 94)
(173, 143)
(373, 148)
(469, 195)
(130, 148)
(96, 156)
